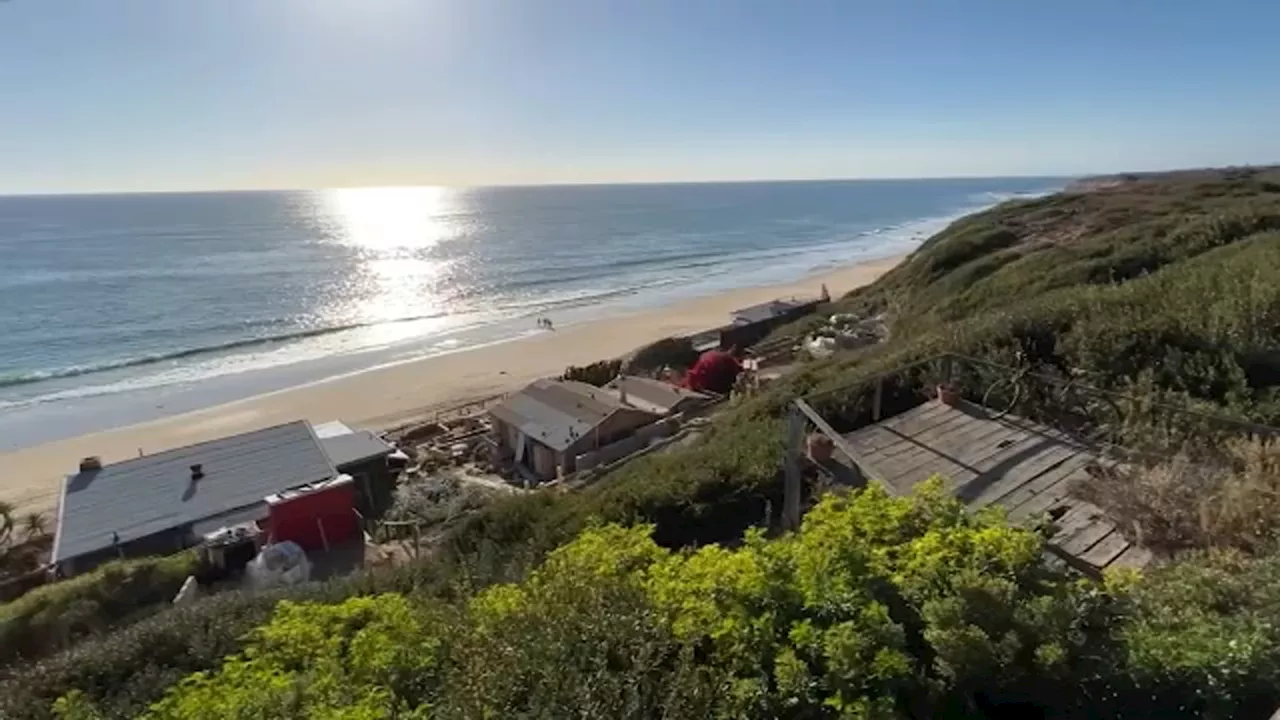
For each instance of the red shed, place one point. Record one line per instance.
(315, 516)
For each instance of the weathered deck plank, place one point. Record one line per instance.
(1018, 471)
(1091, 528)
(1020, 446)
(1107, 549)
(1027, 468)
(927, 458)
(896, 441)
(1010, 496)
(1135, 557)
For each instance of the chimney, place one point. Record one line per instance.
(93, 462)
(197, 471)
(622, 389)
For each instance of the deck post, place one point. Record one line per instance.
(876, 400)
(791, 489)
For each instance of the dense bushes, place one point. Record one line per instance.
(1201, 638)
(709, 491)
(55, 616)
(597, 373)
(878, 608)
(1183, 503)
(669, 352)
(126, 670)
(677, 353)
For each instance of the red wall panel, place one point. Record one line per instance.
(298, 515)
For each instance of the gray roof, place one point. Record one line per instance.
(764, 311)
(652, 395)
(151, 494)
(354, 447)
(557, 413)
(331, 428)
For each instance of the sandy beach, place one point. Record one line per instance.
(381, 397)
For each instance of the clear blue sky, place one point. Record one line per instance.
(191, 94)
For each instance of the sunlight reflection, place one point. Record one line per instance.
(395, 277)
(393, 217)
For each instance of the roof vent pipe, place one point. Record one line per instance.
(197, 471)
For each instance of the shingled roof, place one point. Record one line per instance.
(557, 413)
(764, 311)
(155, 493)
(653, 395)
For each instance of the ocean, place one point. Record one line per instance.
(122, 308)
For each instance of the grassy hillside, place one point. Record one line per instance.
(1162, 286)
(1168, 275)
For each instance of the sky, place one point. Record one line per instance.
(128, 95)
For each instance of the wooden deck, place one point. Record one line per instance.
(1026, 467)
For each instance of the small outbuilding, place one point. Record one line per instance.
(367, 459)
(750, 324)
(544, 427)
(655, 396)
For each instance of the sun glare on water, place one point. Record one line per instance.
(391, 218)
(392, 231)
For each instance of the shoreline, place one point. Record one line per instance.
(382, 397)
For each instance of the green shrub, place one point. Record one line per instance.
(128, 669)
(1202, 638)
(55, 616)
(368, 656)
(23, 544)
(669, 352)
(878, 607)
(597, 373)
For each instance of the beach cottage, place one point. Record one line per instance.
(750, 324)
(162, 503)
(542, 429)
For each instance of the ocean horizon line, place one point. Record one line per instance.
(553, 185)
